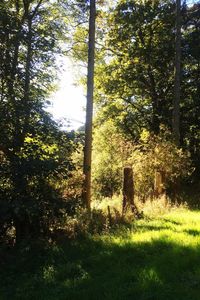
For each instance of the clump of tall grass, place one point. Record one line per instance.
(159, 206)
(151, 207)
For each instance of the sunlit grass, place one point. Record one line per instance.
(155, 258)
(178, 226)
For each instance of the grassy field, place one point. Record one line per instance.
(153, 259)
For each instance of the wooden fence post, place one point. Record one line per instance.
(159, 184)
(128, 191)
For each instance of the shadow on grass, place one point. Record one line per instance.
(167, 224)
(94, 269)
(193, 232)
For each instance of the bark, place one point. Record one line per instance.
(109, 216)
(89, 109)
(177, 82)
(155, 102)
(26, 97)
(21, 220)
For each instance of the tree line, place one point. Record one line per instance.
(133, 98)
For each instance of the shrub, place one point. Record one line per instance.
(157, 154)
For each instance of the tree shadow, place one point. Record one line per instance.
(158, 227)
(193, 232)
(103, 269)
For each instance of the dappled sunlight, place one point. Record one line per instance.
(170, 228)
(154, 259)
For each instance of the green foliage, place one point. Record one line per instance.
(34, 192)
(109, 155)
(140, 42)
(158, 154)
(190, 85)
(83, 223)
(73, 185)
(138, 53)
(150, 154)
(34, 152)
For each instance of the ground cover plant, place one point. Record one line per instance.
(151, 258)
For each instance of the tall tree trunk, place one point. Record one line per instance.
(22, 220)
(26, 96)
(89, 109)
(177, 82)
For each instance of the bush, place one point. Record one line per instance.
(110, 154)
(157, 154)
(82, 224)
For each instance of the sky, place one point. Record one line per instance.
(68, 102)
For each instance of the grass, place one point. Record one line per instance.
(153, 259)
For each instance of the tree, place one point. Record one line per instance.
(34, 151)
(177, 80)
(89, 109)
(139, 47)
(190, 85)
(138, 54)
